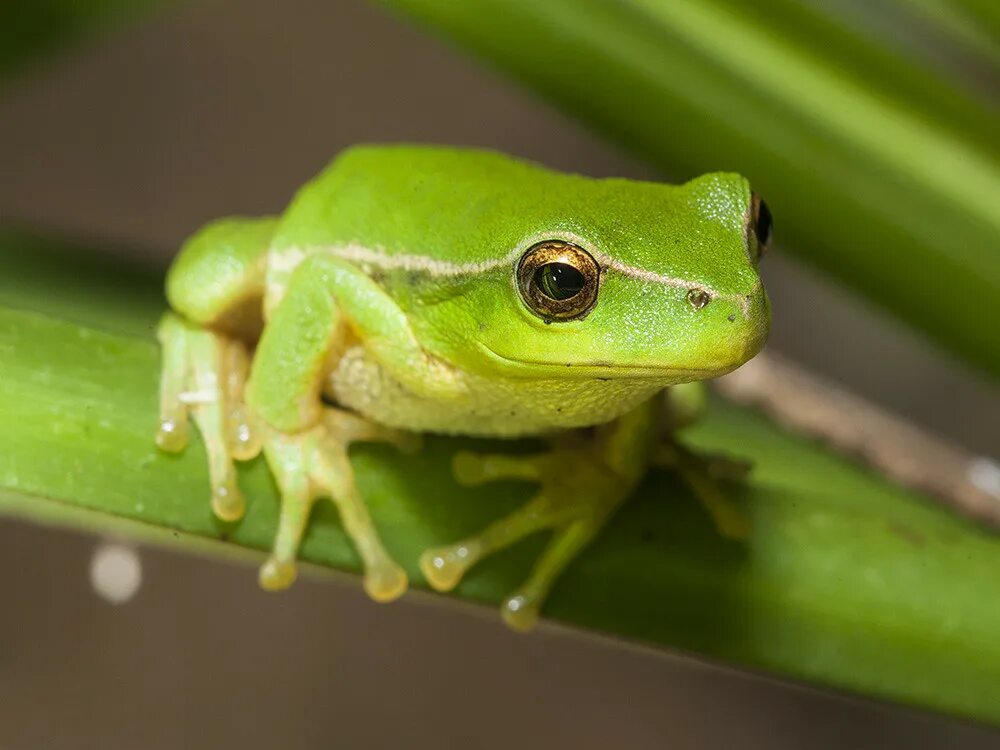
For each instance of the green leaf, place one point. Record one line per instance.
(876, 169)
(31, 28)
(845, 581)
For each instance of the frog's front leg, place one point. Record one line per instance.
(314, 464)
(583, 481)
(327, 303)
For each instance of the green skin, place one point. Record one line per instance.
(389, 288)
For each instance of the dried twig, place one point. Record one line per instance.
(811, 406)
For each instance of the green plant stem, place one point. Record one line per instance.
(844, 581)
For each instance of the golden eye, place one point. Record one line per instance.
(558, 280)
(761, 224)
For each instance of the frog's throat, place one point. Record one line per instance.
(377, 258)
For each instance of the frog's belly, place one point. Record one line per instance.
(493, 407)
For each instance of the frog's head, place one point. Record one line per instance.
(623, 279)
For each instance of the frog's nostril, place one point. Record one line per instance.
(698, 298)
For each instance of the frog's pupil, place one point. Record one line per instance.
(763, 224)
(559, 281)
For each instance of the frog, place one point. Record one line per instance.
(415, 289)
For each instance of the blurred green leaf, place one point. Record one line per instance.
(31, 28)
(957, 38)
(977, 22)
(876, 168)
(845, 580)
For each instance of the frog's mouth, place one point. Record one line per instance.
(603, 370)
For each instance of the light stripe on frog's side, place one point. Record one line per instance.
(285, 260)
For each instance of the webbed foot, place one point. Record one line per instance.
(578, 493)
(314, 464)
(203, 378)
(583, 481)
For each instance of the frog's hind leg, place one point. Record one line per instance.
(705, 476)
(575, 511)
(582, 484)
(314, 464)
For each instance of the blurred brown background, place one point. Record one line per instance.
(136, 138)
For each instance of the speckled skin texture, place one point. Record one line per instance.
(498, 407)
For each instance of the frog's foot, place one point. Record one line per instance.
(704, 475)
(578, 494)
(314, 464)
(203, 377)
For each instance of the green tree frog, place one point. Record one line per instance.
(412, 289)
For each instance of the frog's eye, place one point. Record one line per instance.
(760, 223)
(558, 280)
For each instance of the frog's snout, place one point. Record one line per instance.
(753, 315)
(727, 331)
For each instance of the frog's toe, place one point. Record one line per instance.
(473, 469)
(520, 611)
(577, 494)
(575, 518)
(443, 567)
(312, 465)
(228, 503)
(348, 428)
(242, 440)
(386, 581)
(203, 378)
(277, 575)
(173, 433)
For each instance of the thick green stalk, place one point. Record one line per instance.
(875, 169)
(844, 581)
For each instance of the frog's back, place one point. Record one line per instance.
(427, 200)
(469, 208)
